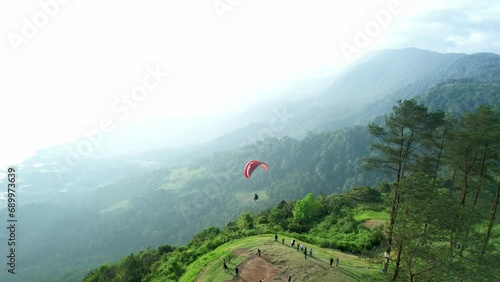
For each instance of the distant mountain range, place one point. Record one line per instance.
(367, 89)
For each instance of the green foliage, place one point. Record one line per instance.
(204, 235)
(334, 230)
(364, 214)
(422, 148)
(246, 221)
(132, 268)
(280, 215)
(459, 96)
(306, 208)
(406, 134)
(365, 195)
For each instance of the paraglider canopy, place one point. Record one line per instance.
(252, 165)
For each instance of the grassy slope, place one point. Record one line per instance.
(287, 260)
(363, 215)
(370, 218)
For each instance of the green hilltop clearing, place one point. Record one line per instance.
(278, 261)
(353, 241)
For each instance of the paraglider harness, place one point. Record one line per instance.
(256, 197)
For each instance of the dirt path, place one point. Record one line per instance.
(203, 273)
(237, 252)
(255, 268)
(372, 223)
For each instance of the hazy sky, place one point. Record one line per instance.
(71, 66)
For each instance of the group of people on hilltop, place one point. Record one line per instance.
(292, 244)
(259, 253)
(224, 265)
(304, 249)
(336, 261)
(236, 269)
(301, 248)
(226, 268)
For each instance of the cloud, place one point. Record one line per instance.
(472, 39)
(65, 78)
(457, 27)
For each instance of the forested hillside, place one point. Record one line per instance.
(440, 206)
(445, 177)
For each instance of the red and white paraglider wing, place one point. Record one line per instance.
(252, 165)
(264, 166)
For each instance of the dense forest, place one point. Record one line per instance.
(441, 197)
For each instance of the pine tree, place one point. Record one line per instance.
(407, 133)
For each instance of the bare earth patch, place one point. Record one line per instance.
(239, 252)
(372, 223)
(256, 268)
(278, 261)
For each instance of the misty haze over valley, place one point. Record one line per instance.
(127, 126)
